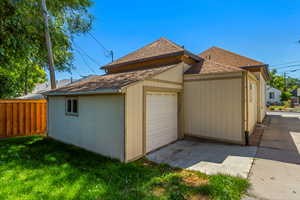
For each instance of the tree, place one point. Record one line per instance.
(22, 40)
(20, 79)
(285, 86)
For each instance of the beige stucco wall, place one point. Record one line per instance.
(213, 106)
(263, 107)
(171, 79)
(261, 97)
(99, 126)
(252, 102)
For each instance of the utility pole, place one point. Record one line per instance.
(49, 46)
(26, 81)
(285, 83)
(112, 55)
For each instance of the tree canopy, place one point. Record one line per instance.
(285, 84)
(23, 52)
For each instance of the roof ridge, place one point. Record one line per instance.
(132, 52)
(216, 47)
(172, 43)
(226, 65)
(161, 46)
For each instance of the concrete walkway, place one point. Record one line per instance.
(209, 158)
(275, 173)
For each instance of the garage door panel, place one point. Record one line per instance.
(161, 119)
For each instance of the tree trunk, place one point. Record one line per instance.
(49, 46)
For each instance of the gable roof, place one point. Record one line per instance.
(207, 66)
(157, 49)
(223, 56)
(109, 83)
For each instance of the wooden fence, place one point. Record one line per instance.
(22, 117)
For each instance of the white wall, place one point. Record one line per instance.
(277, 94)
(99, 126)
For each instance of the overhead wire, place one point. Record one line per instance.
(86, 63)
(87, 55)
(107, 53)
(285, 63)
(288, 66)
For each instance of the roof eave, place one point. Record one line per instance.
(265, 68)
(254, 66)
(102, 91)
(193, 56)
(143, 60)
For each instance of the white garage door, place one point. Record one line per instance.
(161, 119)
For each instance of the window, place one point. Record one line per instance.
(271, 95)
(71, 106)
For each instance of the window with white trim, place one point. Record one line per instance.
(71, 106)
(272, 95)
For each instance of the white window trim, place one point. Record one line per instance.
(66, 106)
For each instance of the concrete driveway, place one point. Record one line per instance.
(275, 174)
(209, 158)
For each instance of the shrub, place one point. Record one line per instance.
(285, 96)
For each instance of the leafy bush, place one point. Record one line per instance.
(285, 96)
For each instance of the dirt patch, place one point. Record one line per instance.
(192, 179)
(196, 197)
(256, 136)
(158, 191)
(149, 163)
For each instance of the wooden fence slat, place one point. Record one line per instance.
(32, 117)
(38, 117)
(2, 120)
(27, 119)
(22, 117)
(44, 117)
(8, 119)
(15, 124)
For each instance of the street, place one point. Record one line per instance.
(275, 173)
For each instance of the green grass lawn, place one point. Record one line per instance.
(40, 168)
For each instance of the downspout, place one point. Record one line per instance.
(124, 126)
(247, 109)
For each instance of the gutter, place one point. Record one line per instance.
(102, 91)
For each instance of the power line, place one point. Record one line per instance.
(288, 66)
(101, 45)
(86, 63)
(87, 55)
(107, 53)
(291, 62)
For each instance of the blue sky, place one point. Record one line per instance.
(266, 30)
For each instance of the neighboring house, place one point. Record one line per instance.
(43, 87)
(273, 96)
(296, 97)
(157, 95)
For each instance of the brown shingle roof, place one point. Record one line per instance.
(207, 66)
(96, 84)
(223, 56)
(159, 47)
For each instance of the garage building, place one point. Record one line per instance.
(155, 96)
